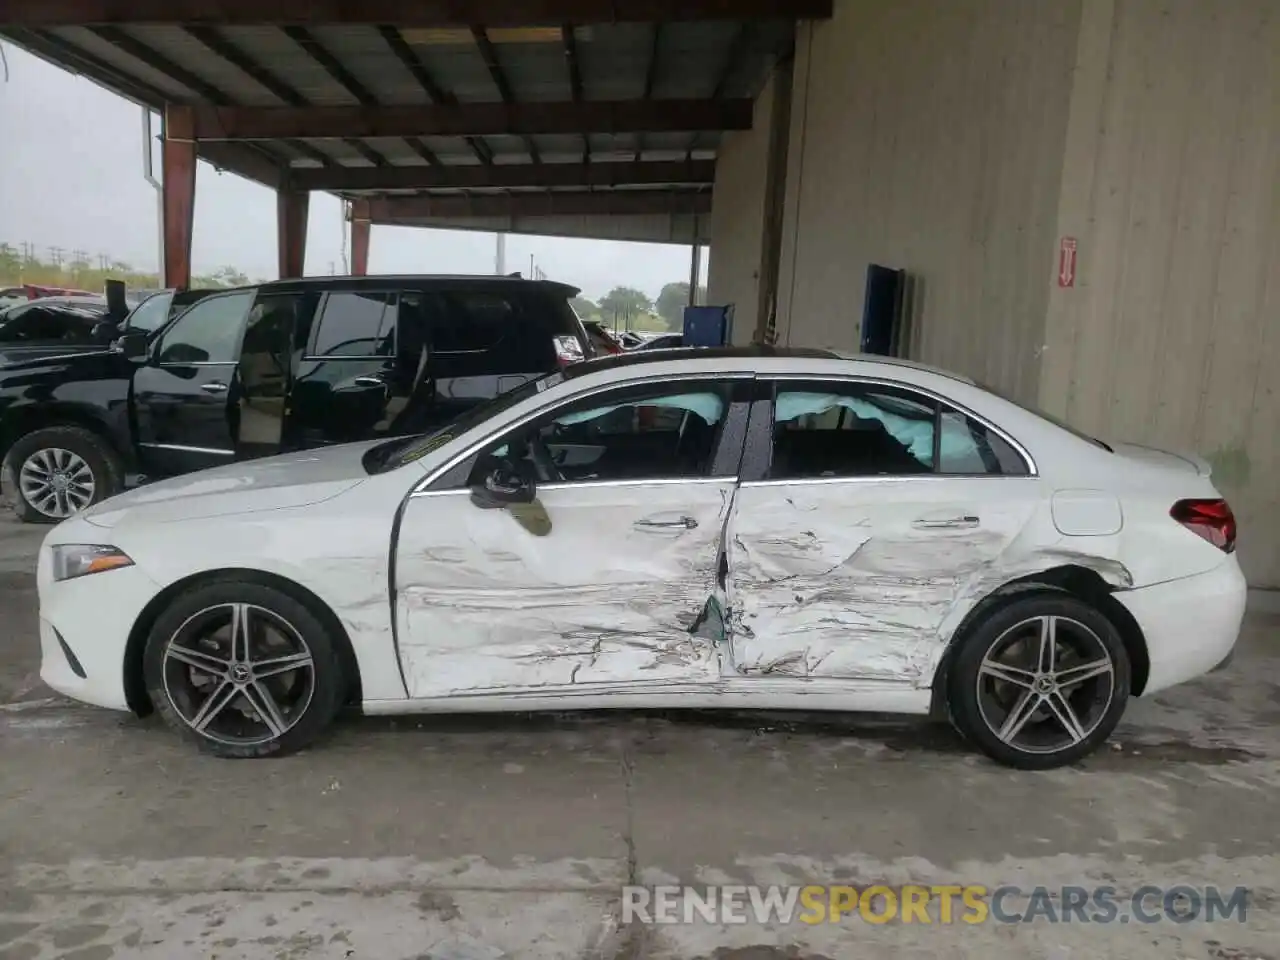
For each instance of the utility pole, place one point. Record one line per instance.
(149, 175)
(500, 255)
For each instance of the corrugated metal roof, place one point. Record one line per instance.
(268, 66)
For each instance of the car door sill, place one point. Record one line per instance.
(764, 693)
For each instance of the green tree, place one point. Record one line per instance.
(622, 306)
(586, 309)
(672, 301)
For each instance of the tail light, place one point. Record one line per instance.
(568, 350)
(1211, 519)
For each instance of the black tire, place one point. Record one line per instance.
(93, 450)
(171, 685)
(1084, 637)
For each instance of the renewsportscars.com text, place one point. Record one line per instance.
(932, 904)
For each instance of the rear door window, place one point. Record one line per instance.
(851, 429)
(355, 325)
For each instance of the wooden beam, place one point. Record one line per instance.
(507, 176)
(621, 203)
(476, 119)
(292, 206)
(416, 13)
(361, 228)
(245, 159)
(178, 198)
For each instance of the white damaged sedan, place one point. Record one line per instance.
(690, 528)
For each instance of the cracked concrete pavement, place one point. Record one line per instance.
(478, 838)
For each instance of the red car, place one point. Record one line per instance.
(601, 338)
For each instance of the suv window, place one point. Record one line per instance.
(355, 325)
(207, 333)
(477, 333)
(150, 315)
(842, 429)
(634, 433)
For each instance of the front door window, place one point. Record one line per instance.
(663, 433)
(207, 333)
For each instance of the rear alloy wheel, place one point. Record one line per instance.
(54, 473)
(1041, 682)
(243, 669)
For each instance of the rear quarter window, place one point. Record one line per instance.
(496, 332)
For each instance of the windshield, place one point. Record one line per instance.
(405, 450)
(1061, 424)
(52, 321)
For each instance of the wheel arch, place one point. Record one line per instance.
(23, 420)
(1079, 581)
(135, 688)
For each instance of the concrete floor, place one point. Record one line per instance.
(510, 837)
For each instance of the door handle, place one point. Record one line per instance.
(951, 523)
(687, 523)
(369, 381)
(214, 386)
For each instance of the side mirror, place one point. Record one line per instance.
(132, 345)
(504, 484)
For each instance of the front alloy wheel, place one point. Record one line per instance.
(244, 669)
(239, 674)
(56, 482)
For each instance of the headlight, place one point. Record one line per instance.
(72, 560)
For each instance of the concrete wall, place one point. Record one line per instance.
(928, 136)
(1171, 186)
(962, 141)
(738, 216)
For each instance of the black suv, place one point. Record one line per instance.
(274, 368)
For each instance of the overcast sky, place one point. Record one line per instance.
(71, 176)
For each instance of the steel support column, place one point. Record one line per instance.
(178, 162)
(292, 206)
(361, 227)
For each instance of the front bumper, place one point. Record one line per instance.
(1191, 625)
(93, 616)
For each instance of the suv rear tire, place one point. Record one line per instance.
(55, 472)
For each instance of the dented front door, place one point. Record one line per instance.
(591, 586)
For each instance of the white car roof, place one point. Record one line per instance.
(761, 359)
